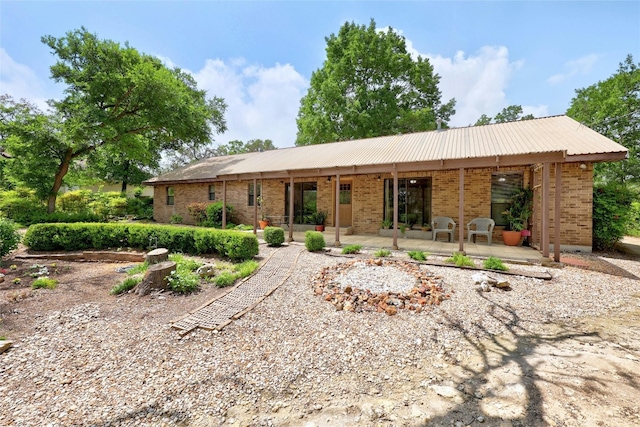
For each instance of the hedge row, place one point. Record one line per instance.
(79, 236)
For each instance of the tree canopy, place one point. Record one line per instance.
(119, 104)
(512, 113)
(369, 85)
(612, 108)
(188, 153)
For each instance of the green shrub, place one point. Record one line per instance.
(494, 263)
(351, 249)
(225, 278)
(20, 204)
(9, 236)
(175, 219)
(140, 207)
(611, 214)
(382, 253)
(197, 211)
(44, 283)
(633, 225)
(246, 268)
(460, 260)
(126, 285)
(236, 245)
(274, 236)
(140, 268)
(417, 255)
(214, 214)
(314, 241)
(183, 281)
(184, 263)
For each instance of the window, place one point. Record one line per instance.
(252, 194)
(212, 192)
(345, 194)
(170, 195)
(502, 186)
(414, 200)
(305, 197)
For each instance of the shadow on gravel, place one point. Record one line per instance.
(513, 358)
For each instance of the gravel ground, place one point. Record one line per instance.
(294, 360)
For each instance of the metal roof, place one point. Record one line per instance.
(528, 140)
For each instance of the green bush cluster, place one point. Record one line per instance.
(633, 225)
(24, 207)
(351, 249)
(80, 236)
(44, 283)
(125, 286)
(417, 255)
(460, 260)
(382, 253)
(611, 214)
(239, 271)
(494, 263)
(274, 236)
(9, 236)
(314, 241)
(214, 215)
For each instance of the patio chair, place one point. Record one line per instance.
(440, 224)
(483, 227)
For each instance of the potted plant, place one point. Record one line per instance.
(517, 215)
(319, 218)
(264, 221)
(386, 224)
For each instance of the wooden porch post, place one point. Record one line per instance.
(536, 208)
(395, 210)
(337, 225)
(544, 227)
(461, 212)
(557, 210)
(255, 206)
(224, 204)
(291, 209)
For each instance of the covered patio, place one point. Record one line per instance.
(438, 247)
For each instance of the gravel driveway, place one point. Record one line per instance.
(506, 358)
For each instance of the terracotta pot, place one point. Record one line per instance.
(319, 227)
(511, 238)
(263, 223)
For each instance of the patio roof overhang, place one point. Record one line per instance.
(559, 156)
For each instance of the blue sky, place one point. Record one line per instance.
(259, 56)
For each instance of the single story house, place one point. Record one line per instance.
(462, 173)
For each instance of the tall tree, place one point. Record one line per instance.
(612, 108)
(512, 113)
(369, 86)
(121, 101)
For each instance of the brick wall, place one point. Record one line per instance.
(368, 199)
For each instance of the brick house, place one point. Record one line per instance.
(462, 173)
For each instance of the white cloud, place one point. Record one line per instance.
(536, 110)
(579, 66)
(477, 82)
(20, 81)
(262, 101)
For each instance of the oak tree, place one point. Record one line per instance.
(369, 85)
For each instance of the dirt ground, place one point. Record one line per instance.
(583, 374)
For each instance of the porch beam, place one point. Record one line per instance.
(291, 209)
(337, 241)
(255, 206)
(461, 212)
(545, 210)
(433, 165)
(557, 210)
(224, 204)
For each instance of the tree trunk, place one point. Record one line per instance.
(125, 177)
(155, 278)
(157, 256)
(57, 182)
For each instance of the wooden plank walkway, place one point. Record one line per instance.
(220, 311)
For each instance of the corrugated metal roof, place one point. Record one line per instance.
(543, 135)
